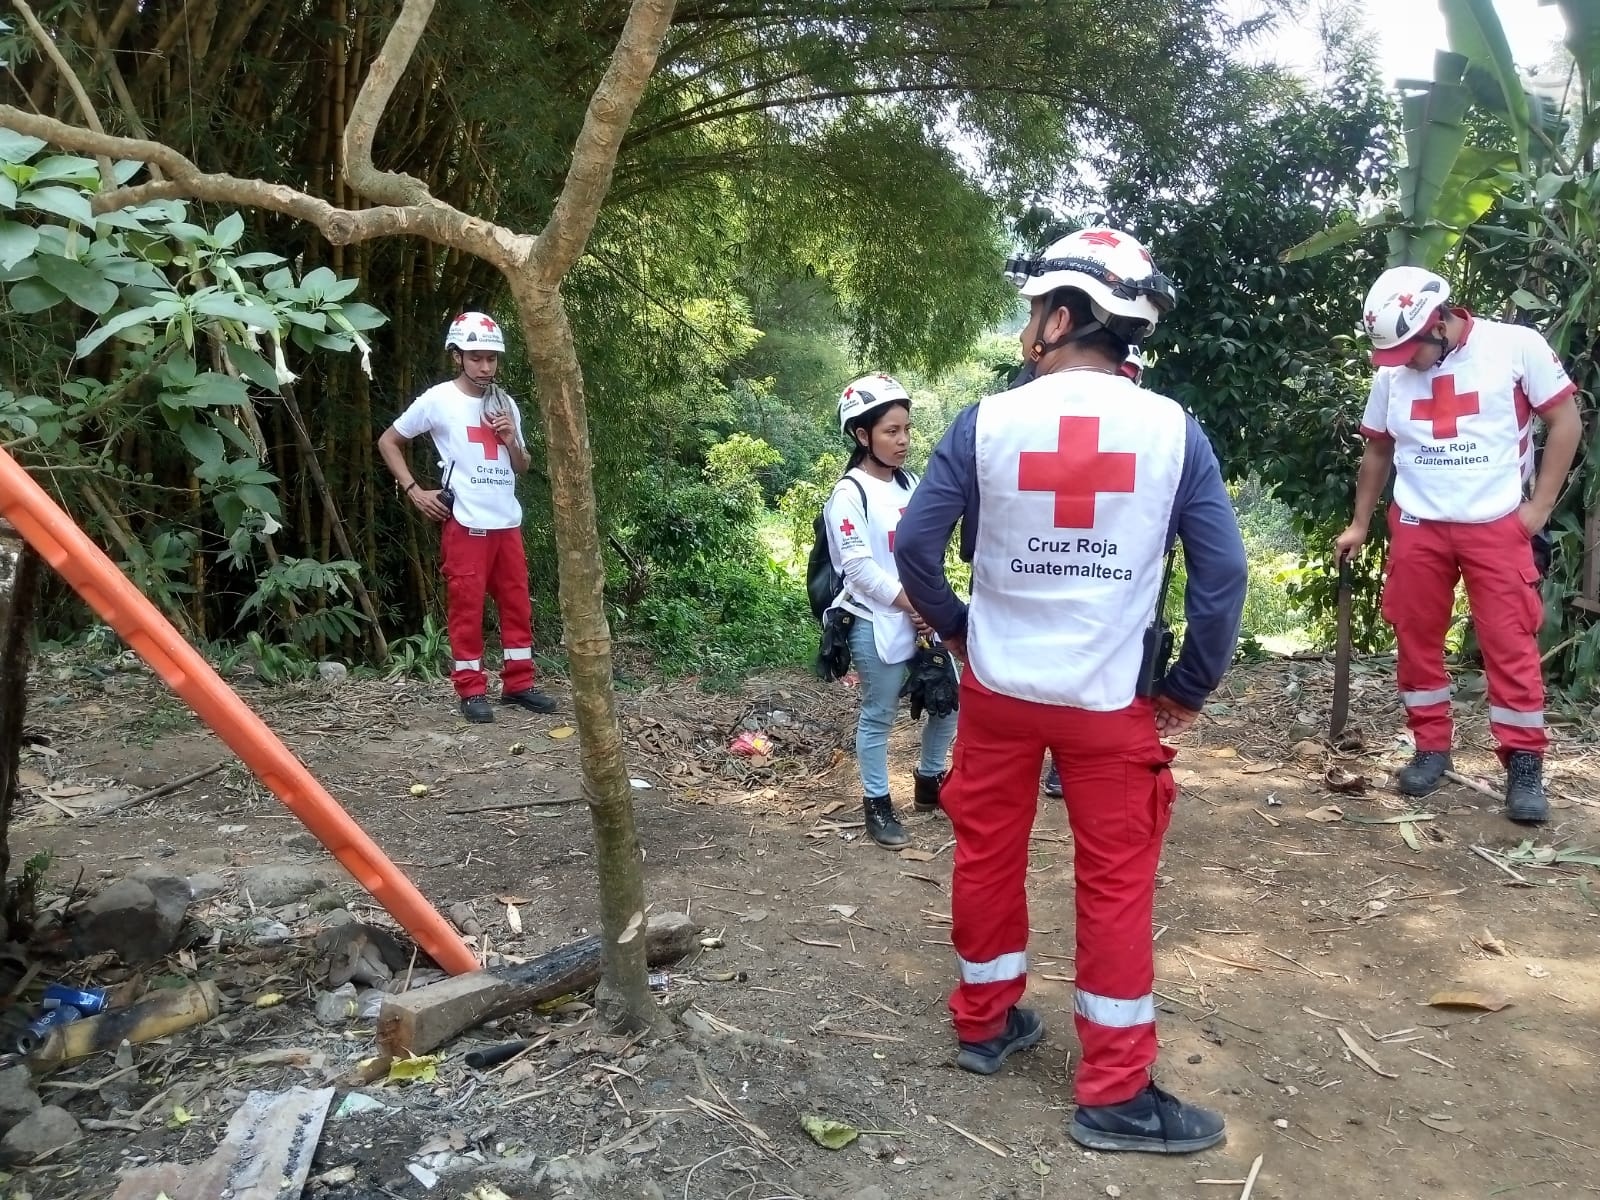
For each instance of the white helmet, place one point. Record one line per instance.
(867, 393)
(1126, 292)
(1400, 308)
(475, 331)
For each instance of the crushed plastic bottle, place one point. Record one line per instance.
(368, 1004)
(337, 1007)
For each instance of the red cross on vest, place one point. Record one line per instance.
(484, 436)
(1076, 471)
(846, 528)
(1444, 406)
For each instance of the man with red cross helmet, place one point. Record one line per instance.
(477, 431)
(1070, 488)
(1451, 414)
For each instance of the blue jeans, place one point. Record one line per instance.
(880, 699)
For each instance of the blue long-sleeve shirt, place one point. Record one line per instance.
(1202, 518)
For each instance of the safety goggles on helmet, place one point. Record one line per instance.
(1155, 287)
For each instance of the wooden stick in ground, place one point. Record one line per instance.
(975, 1139)
(508, 805)
(419, 1021)
(165, 789)
(1356, 1048)
(1250, 1179)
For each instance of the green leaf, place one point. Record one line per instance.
(216, 390)
(18, 148)
(257, 258)
(67, 167)
(362, 316)
(125, 169)
(33, 296)
(59, 201)
(1328, 239)
(1474, 30)
(319, 281)
(1549, 184)
(123, 321)
(252, 366)
(829, 1133)
(229, 231)
(203, 442)
(1527, 301)
(259, 496)
(84, 287)
(16, 243)
(8, 192)
(228, 306)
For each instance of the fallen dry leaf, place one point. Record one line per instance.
(1491, 944)
(844, 910)
(1443, 1122)
(562, 731)
(1223, 752)
(513, 918)
(1328, 812)
(514, 899)
(914, 855)
(1259, 768)
(1308, 748)
(1482, 1001)
(1346, 782)
(29, 778)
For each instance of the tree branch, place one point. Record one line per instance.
(433, 219)
(50, 50)
(384, 187)
(594, 157)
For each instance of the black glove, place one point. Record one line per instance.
(833, 654)
(931, 682)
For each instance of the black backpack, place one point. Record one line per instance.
(823, 583)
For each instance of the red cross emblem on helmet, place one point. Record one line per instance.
(1405, 300)
(1372, 319)
(1103, 237)
(486, 323)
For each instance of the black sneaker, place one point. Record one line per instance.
(883, 826)
(1023, 1029)
(1424, 772)
(1052, 782)
(531, 699)
(925, 799)
(1525, 800)
(476, 709)
(1152, 1121)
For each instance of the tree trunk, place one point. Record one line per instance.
(19, 578)
(548, 337)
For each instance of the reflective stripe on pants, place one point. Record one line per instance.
(1119, 796)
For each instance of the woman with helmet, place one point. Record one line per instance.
(1451, 414)
(477, 432)
(1070, 490)
(861, 515)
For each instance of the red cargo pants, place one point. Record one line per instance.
(1496, 561)
(1119, 796)
(479, 562)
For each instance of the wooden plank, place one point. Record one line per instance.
(418, 1021)
(265, 1154)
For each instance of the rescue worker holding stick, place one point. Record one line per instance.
(1070, 490)
(1451, 414)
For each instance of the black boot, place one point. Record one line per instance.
(1152, 1121)
(926, 797)
(1023, 1029)
(1052, 782)
(1525, 802)
(883, 826)
(1424, 772)
(476, 709)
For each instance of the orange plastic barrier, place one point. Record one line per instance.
(68, 550)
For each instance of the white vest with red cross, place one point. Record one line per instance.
(1463, 431)
(1077, 473)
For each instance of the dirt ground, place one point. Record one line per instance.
(1275, 932)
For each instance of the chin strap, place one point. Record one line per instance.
(1040, 347)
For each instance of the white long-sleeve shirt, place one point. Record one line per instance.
(861, 544)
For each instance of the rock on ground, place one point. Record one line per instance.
(48, 1129)
(139, 918)
(18, 1100)
(281, 883)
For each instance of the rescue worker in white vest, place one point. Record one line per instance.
(1070, 490)
(862, 514)
(1451, 413)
